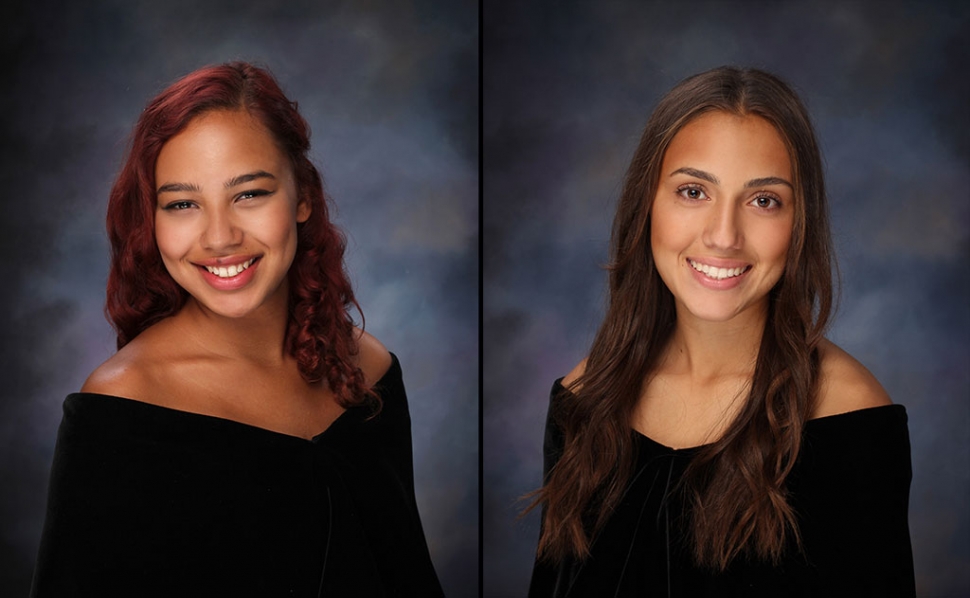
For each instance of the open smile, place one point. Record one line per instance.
(230, 271)
(229, 277)
(716, 273)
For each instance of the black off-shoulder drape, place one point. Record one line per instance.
(850, 489)
(150, 501)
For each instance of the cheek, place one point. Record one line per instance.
(775, 241)
(668, 235)
(668, 240)
(172, 241)
(276, 229)
(291, 240)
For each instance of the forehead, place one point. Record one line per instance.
(730, 147)
(220, 143)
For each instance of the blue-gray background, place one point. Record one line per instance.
(567, 92)
(391, 93)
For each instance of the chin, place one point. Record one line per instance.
(229, 312)
(710, 312)
(226, 309)
(715, 316)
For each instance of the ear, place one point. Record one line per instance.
(303, 210)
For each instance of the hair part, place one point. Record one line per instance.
(141, 292)
(735, 487)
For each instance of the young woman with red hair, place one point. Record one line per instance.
(246, 438)
(714, 443)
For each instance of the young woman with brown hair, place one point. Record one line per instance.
(714, 443)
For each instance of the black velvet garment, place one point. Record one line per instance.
(150, 501)
(849, 489)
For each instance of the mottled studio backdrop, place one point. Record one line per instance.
(566, 95)
(391, 93)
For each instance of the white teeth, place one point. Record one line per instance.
(716, 273)
(231, 271)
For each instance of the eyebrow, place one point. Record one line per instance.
(233, 182)
(710, 178)
(248, 178)
(178, 188)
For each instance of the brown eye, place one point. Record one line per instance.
(766, 202)
(253, 194)
(178, 206)
(692, 193)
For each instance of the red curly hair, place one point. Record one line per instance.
(320, 332)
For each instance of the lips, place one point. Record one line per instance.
(230, 271)
(718, 273)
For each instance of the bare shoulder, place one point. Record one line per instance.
(373, 358)
(141, 370)
(845, 384)
(125, 374)
(574, 375)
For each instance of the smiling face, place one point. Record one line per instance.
(226, 213)
(722, 217)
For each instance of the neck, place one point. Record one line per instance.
(711, 351)
(258, 337)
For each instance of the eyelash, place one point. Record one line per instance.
(683, 189)
(178, 206)
(252, 194)
(776, 205)
(184, 204)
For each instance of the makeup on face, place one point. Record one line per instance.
(227, 212)
(722, 215)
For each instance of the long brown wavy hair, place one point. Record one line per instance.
(320, 331)
(735, 487)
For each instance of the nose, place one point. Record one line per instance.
(723, 230)
(220, 232)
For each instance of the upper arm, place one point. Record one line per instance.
(845, 384)
(373, 358)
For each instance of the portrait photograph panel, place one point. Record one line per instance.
(389, 96)
(569, 160)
